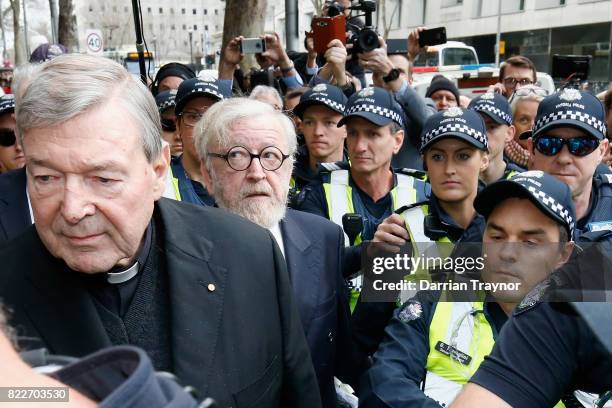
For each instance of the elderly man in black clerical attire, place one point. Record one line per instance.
(204, 293)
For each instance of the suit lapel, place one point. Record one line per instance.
(197, 288)
(59, 308)
(303, 266)
(14, 209)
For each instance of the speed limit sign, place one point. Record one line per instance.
(94, 42)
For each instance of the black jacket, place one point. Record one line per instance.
(14, 209)
(240, 343)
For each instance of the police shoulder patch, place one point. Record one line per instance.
(533, 298)
(411, 310)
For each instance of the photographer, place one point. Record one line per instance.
(386, 75)
(334, 71)
(274, 57)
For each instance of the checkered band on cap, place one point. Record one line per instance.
(207, 90)
(583, 117)
(455, 128)
(167, 104)
(556, 207)
(332, 104)
(377, 110)
(8, 103)
(496, 111)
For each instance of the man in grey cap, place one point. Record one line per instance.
(193, 99)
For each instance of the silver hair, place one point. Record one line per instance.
(518, 99)
(73, 84)
(21, 78)
(218, 121)
(262, 90)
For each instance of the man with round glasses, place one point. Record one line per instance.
(193, 99)
(515, 73)
(246, 149)
(568, 141)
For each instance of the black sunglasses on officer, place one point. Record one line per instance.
(7, 137)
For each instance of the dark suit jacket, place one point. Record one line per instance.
(313, 250)
(14, 209)
(241, 343)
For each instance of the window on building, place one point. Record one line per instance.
(394, 8)
(149, 10)
(125, 9)
(184, 26)
(205, 12)
(216, 27)
(161, 10)
(195, 12)
(182, 11)
(172, 27)
(216, 12)
(450, 3)
(91, 25)
(543, 4)
(171, 10)
(184, 43)
(206, 28)
(90, 8)
(195, 27)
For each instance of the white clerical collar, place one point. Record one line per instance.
(123, 276)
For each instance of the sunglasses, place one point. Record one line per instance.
(7, 138)
(578, 146)
(168, 125)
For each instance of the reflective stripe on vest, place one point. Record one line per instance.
(171, 189)
(464, 327)
(339, 196)
(422, 246)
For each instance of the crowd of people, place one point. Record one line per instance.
(204, 241)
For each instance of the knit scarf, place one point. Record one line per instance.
(516, 153)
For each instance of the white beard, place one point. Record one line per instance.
(265, 213)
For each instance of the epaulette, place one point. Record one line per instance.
(411, 310)
(603, 179)
(409, 206)
(297, 198)
(533, 298)
(417, 174)
(329, 167)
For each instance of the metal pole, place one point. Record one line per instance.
(25, 29)
(291, 25)
(191, 47)
(139, 42)
(4, 52)
(498, 35)
(53, 21)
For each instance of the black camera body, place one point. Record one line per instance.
(363, 39)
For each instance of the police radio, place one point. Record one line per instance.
(353, 225)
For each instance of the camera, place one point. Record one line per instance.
(365, 39)
(334, 26)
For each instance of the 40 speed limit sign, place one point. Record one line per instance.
(94, 43)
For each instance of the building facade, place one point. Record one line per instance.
(534, 28)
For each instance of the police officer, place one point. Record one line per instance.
(454, 146)
(193, 98)
(367, 187)
(432, 348)
(11, 152)
(166, 101)
(320, 109)
(568, 141)
(562, 347)
(497, 115)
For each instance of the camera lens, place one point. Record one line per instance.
(368, 40)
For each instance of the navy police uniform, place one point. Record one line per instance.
(192, 191)
(413, 366)
(325, 95)
(496, 107)
(585, 112)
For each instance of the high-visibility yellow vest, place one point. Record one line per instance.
(460, 336)
(339, 198)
